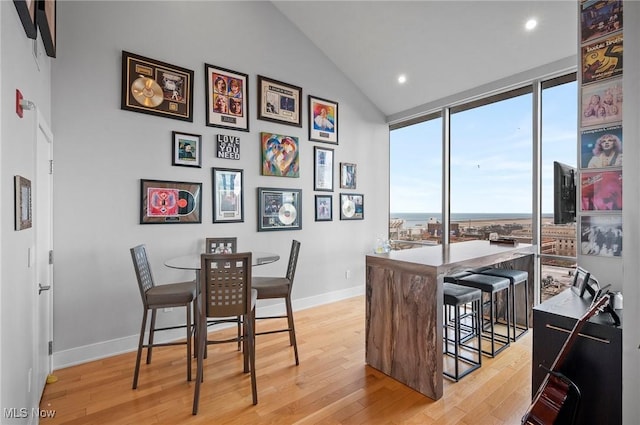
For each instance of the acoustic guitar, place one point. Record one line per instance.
(554, 390)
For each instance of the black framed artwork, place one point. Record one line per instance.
(227, 98)
(279, 209)
(279, 102)
(170, 202)
(228, 196)
(27, 13)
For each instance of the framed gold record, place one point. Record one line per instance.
(156, 88)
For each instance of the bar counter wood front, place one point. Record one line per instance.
(404, 305)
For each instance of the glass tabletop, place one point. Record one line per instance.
(192, 262)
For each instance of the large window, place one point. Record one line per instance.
(491, 169)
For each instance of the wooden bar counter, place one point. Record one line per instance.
(404, 305)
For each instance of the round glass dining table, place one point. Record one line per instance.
(192, 262)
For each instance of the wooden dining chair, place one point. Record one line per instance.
(219, 246)
(280, 287)
(225, 288)
(182, 294)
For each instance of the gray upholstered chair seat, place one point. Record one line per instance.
(271, 287)
(172, 294)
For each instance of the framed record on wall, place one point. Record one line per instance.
(156, 88)
(279, 209)
(170, 202)
(351, 206)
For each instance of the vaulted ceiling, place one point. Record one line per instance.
(443, 47)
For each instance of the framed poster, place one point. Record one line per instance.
(170, 202)
(601, 235)
(602, 59)
(23, 208)
(227, 98)
(27, 13)
(599, 18)
(279, 209)
(347, 175)
(228, 202)
(601, 102)
(46, 21)
(323, 120)
(324, 207)
(156, 88)
(279, 155)
(323, 169)
(279, 102)
(351, 206)
(601, 147)
(187, 149)
(601, 191)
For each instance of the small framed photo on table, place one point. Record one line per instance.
(323, 120)
(324, 207)
(228, 203)
(323, 169)
(279, 209)
(279, 102)
(187, 149)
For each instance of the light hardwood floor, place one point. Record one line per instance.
(332, 384)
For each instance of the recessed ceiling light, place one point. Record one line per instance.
(531, 24)
(402, 79)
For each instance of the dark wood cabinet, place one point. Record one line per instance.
(593, 363)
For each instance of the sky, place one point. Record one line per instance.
(491, 156)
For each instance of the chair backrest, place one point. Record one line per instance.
(293, 260)
(143, 270)
(225, 281)
(211, 244)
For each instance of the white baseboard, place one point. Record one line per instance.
(101, 350)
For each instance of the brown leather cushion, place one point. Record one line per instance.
(171, 294)
(271, 287)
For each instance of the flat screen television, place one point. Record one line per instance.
(564, 193)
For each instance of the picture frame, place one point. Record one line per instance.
(601, 235)
(170, 202)
(323, 120)
(187, 149)
(580, 279)
(23, 203)
(601, 190)
(322, 169)
(602, 59)
(27, 13)
(280, 155)
(228, 195)
(227, 147)
(347, 175)
(227, 98)
(279, 209)
(324, 207)
(279, 102)
(351, 206)
(601, 103)
(156, 88)
(601, 147)
(46, 21)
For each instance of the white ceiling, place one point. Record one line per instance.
(443, 47)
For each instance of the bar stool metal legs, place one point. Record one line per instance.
(516, 278)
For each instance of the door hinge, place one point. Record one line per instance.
(51, 256)
(51, 166)
(50, 347)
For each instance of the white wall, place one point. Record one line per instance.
(18, 70)
(102, 152)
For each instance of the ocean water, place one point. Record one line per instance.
(412, 219)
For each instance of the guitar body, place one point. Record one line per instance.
(547, 407)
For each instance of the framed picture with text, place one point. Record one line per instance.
(227, 98)
(170, 202)
(324, 207)
(279, 102)
(228, 197)
(351, 206)
(279, 209)
(323, 120)
(323, 169)
(347, 175)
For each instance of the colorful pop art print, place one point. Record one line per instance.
(602, 59)
(601, 191)
(601, 147)
(280, 156)
(323, 120)
(166, 202)
(227, 98)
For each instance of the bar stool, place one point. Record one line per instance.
(490, 285)
(516, 277)
(457, 297)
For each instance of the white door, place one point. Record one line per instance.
(43, 224)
